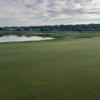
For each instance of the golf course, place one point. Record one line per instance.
(60, 69)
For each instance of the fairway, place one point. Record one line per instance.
(50, 70)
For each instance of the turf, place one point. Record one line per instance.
(50, 70)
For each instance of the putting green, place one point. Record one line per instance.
(50, 70)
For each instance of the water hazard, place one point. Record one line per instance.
(14, 38)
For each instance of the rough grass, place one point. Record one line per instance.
(50, 70)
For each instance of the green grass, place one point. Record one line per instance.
(50, 70)
(56, 34)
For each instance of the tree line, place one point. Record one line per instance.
(78, 27)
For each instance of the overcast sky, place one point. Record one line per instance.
(48, 12)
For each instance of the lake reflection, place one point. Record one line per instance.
(14, 38)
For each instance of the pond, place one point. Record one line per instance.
(14, 38)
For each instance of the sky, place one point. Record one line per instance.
(48, 12)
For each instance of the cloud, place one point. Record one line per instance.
(41, 12)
